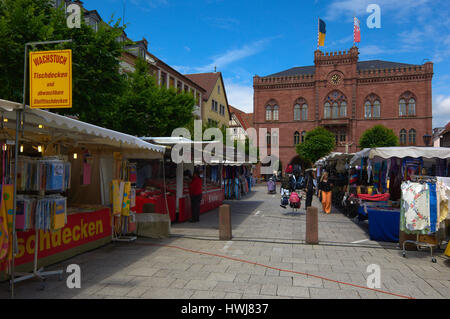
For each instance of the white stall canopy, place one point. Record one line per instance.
(401, 152)
(40, 124)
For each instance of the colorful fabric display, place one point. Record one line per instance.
(48, 174)
(375, 197)
(5, 230)
(116, 197)
(126, 198)
(132, 173)
(419, 212)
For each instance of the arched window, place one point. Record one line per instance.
(296, 138)
(275, 138)
(376, 109)
(275, 113)
(402, 137)
(367, 110)
(327, 111)
(335, 110)
(335, 105)
(304, 112)
(412, 107)
(268, 113)
(268, 138)
(343, 112)
(297, 112)
(402, 106)
(412, 136)
(372, 106)
(303, 136)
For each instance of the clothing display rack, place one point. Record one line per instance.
(418, 243)
(36, 273)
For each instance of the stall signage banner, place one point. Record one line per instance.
(51, 79)
(82, 228)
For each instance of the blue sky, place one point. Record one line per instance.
(260, 37)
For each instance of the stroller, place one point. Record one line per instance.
(271, 186)
(290, 198)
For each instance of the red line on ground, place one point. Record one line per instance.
(275, 268)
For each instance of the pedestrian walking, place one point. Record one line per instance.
(309, 188)
(325, 187)
(195, 191)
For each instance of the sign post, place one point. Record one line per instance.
(51, 79)
(20, 119)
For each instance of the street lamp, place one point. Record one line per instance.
(427, 139)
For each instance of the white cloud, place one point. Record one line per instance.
(441, 110)
(347, 8)
(223, 60)
(239, 96)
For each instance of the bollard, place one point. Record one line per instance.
(312, 226)
(224, 222)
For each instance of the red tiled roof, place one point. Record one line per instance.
(246, 119)
(205, 80)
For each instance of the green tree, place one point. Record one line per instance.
(318, 143)
(145, 109)
(378, 136)
(97, 82)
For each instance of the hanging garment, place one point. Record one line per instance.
(4, 234)
(126, 199)
(59, 213)
(116, 197)
(87, 169)
(444, 195)
(434, 226)
(416, 206)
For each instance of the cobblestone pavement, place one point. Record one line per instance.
(265, 234)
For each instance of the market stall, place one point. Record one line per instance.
(337, 165)
(62, 186)
(379, 177)
(176, 182)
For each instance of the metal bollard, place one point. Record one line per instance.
(312, 226)
(224, 222)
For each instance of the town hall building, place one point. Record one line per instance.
(347, 97)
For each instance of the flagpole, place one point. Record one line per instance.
(318, 32)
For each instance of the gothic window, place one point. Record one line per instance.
(376, 109)
(335, 105)
(268, 138)
(367, 110)
(335, 110)
(296, 138)
(303, 136)
(305, 112)
(412, 137)
(327, 111)
(403, 137)
(372, 106)
(402, 107)
(268, 113)
(407, 104)
(343, 112)
(275, 138)
(275, 113)
(297, 112)
(412, 107)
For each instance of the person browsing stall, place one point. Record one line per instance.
(325, 187)
(195, 191)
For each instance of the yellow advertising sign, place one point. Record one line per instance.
(51, 79)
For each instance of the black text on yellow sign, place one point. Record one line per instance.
(51, 79)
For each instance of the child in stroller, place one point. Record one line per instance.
(290, 197)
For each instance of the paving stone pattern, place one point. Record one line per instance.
(272, 240)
